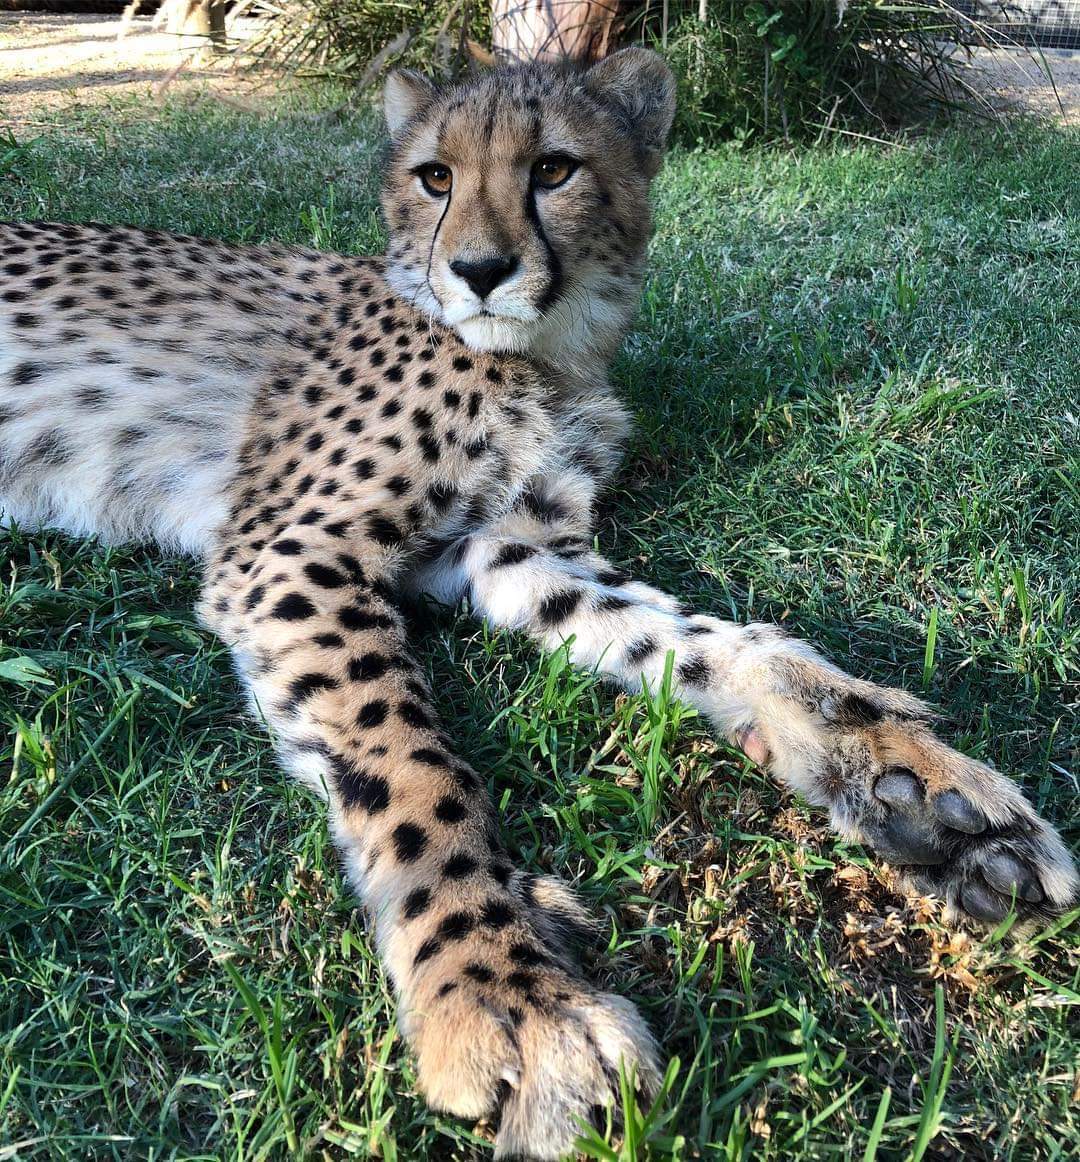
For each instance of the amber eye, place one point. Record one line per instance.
(550, 172)
(437, 178)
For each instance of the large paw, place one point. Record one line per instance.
(534, 1047)
(954, 827)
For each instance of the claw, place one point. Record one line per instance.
(958, 812)
(982, 903)
(907, 842)
(899, 788)
(1006, 874)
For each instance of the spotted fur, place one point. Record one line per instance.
(330, 433)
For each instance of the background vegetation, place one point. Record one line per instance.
(855, 377)
(767, 68)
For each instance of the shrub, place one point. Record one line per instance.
(770, 68)
(788, 68)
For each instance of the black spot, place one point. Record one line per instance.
(695, 672)
(409, 842)
(372, 714)
(293, 607)
(413, 714)
(496, 914)
(856, 711)
(354, 618)
(48, 448)
(521, 980)
(364, 469)
(440, 495)
(416, 903)
(640, 650)
(305, 685)
(429, 446)
(431, 947)
(450, 810)
(329, 641)
(501, 873)
(479, 972)
(358, 788)
(368, 667)
(613, 602)
(512, 554)
(324, 576)
(559, 606)
(462, 363)
(429, 757)
(457, 867)
(446, 988)
(383, 531)
(456, 926)
(399, 485)
(254, 597)
(527, 955)
(24, 373)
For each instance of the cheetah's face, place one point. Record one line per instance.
(517, 201)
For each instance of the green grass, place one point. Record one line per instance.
(858, 389)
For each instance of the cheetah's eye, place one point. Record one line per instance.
(550, 172)
(436, 178)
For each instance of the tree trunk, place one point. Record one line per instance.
(577, 30)
(204, 19)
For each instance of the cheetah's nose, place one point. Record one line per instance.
(484, 275)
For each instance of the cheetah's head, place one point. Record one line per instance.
(517, 201)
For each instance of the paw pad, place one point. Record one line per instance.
(959, 813)
(949, 836)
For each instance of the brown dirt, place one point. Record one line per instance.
(50, 62)
(1046, 84)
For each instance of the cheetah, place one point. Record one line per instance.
(334, 435)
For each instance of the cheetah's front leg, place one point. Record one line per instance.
(955, 827)
(494, 1009)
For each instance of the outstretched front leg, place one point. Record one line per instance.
(492, 1005)
(954, 827)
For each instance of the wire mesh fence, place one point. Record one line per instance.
(1030, 23)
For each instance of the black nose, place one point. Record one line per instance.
(484, 276)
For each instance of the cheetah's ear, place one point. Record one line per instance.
(638, 85)
(405, 93)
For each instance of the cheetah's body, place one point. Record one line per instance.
(174, 379)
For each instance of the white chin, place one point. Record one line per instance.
(489, 333)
